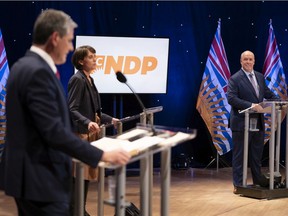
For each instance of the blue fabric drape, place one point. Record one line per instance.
(190, 26)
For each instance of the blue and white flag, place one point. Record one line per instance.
(274, 74)
(212, 102)
(4, 72)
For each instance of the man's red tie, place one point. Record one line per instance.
(58, 74)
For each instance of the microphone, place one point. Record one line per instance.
(121, 78)
(268, 78)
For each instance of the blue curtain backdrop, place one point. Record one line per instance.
(190, 26)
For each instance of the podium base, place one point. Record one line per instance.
(262, 193)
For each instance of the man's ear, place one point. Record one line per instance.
(55, 37)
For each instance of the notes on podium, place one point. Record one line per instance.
(177, 138)
(138, 140)
(134, 147)
(266, 106)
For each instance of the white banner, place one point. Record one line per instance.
(144, 62)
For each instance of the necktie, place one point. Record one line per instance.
(58, 74)
(254, 84)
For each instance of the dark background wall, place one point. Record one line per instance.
(190, 26)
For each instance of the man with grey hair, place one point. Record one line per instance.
(36, 165)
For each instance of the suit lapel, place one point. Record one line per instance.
(248, 83)
(261, 87)
(89, 87)
(96, 100)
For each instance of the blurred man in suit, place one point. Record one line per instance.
(247, 88)
(36, 165)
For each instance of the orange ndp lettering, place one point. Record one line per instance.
(112, 64)
(128, 64)
(149, 64)
(132, 65)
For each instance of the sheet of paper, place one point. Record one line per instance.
(138, 145)
(132, 133)
(110, 144)
(178, 137)
(146, 142)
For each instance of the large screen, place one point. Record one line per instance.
(143, 61)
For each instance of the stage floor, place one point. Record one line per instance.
(197, 192)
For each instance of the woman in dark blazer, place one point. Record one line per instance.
(85, 105)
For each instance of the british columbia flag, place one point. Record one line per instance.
(212, 101)
(4, 72)
(274, 74)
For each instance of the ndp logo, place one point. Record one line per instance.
(143, 60)
(126, 64)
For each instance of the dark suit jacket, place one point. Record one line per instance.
(37, 159)
(241, 95)
(83, 104)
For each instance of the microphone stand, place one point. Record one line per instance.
(144, 162)
(143, 108)
(121, 78)
(138, 98)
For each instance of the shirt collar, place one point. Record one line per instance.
(247, 73)
(45, 56)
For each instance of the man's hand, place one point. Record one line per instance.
(257, 107)
(117, 157)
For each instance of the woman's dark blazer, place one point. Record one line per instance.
(82, 104)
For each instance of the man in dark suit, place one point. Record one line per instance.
(247, 88)
(36, 165)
